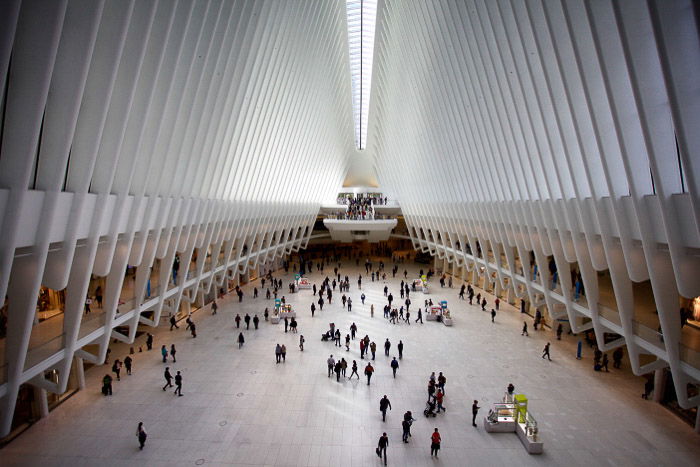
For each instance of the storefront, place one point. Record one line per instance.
(49, 304)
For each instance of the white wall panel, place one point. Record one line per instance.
(532, 126)
(150, 128)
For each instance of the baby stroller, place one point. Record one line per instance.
(429, 408)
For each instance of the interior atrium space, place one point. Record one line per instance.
(496, 197)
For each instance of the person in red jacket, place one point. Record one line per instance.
(435, 443)
(369, 369)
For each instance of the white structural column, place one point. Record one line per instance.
(554, 131)
(137, 131)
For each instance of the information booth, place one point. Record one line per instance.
(432, 313)
(303, 283)
(275, 318)
(512, 416)
(445, 313)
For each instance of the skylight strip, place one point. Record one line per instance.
(361, 15)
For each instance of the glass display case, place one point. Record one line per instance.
(502, 412)
(432, 313)
(531, 430)
(285, 311)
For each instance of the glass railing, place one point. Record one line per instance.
(90, 323)
(648, 334)
(357, 217)
(689, 356)
(41, 352)
(609, 314)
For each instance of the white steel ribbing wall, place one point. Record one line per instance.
(137, 130)
(550, 127)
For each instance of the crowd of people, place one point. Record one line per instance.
(342, 360)
(363, 199)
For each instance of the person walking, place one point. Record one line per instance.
(127, 364)
(406, 425)
(313, 309)
(149, 341)
(605, 362)
(353, 330)
(387, 346)
(441, 380)
(400, 347)
(247, 322)
(241, 340)
(173, 352)
(193, 330)
(618, 353)
(362, 298)
(347, 342)
(368, 372)
(178, 384)
(117, 368)
(371, 311)
(373, 348)
(435, 441)
(406, 429)
(173, 323)
(560, 331)
(362, 349)
(214, 307)
(382, 445)
(338, 368)
(237, 319)
(141, 435)
(284, 353)
(343, 367)
(439, 396)
(256, 321)
(384, 404)
(524, 333)
(493, 315)
(354, 370)
(420, 316)
(475, 411)
(545, 352)
(168, 378)
(107, 385)
(301, 342)
(579, 349)
(331, 365)
(394, 366)
(278, 353)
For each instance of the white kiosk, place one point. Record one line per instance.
(303, 283)
(445, 312)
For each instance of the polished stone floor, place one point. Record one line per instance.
(240, 408)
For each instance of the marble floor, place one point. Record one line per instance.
(240, 408)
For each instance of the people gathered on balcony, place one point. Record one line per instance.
(362, 199)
